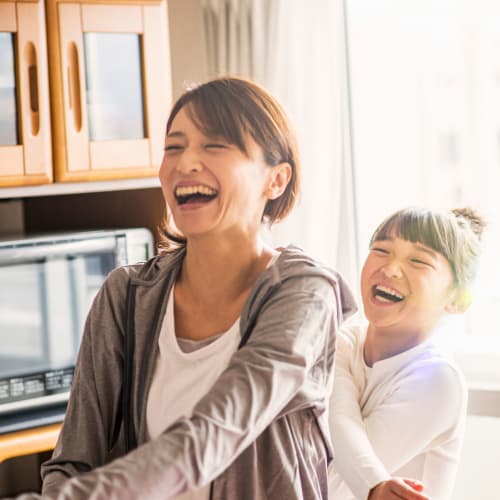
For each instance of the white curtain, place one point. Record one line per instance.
(297, 49)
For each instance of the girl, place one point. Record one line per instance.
(398, 405)
(215, 355)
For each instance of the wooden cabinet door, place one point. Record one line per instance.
(25, 143)
(110, 87)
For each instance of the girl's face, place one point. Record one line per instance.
(406, 287)
(210, 186)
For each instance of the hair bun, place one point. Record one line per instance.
(475, 221)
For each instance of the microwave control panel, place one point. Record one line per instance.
(36, 385)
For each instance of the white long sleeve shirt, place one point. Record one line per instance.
(404, 416)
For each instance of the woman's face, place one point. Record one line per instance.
(406, 287)
(210, 186)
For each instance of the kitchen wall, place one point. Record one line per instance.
(187, 44)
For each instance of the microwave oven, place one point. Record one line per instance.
(47, 284)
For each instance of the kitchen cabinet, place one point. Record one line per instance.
(85, 90)
(110, 87)
(25, 138)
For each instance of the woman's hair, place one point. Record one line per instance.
(235, 109)
(456, 235)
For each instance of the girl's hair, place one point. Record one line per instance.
(235, 109)
(456, 235)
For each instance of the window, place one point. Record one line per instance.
(425, 98)
(8, 120)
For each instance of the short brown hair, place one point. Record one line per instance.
(234, 108)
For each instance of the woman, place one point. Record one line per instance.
(233, 340)
(398, 406)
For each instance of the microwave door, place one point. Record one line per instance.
(74, 282)
(22, 322)
(58, 313)
(36, 317)
(43, 305)
(87, 273)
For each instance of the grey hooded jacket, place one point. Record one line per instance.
(261, 432)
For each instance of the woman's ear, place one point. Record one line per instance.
(460, 303)
(279, 177)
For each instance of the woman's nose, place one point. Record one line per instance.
(189, 162)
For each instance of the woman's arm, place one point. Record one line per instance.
(290, 350)
(92, 413)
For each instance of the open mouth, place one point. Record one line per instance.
(194, 194)
(386, 294)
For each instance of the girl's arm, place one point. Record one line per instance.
(290, 350)
(423, 407)
(355, 459)
(397, 488)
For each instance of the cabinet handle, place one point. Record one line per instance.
(32, 68)
(74, 86)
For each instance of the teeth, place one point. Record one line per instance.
(383, 299)
(200, 189)
(389, 291)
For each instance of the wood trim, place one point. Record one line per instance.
(56, 89)
(28, 441)
(157, 79)
(112, 18)
(73, 98)
(12, 162)
(118, 154)
(35, 121)
(109, 2)
(24, 180)
(108, 174)
(8, 17)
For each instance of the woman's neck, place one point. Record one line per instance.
(223, 271)
(214, 285)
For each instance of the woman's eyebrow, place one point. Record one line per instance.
(175, 134)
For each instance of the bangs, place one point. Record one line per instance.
(217, 111)
(419, 227)
(217, 118)
(235, 111)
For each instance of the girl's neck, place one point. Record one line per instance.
(383, 343)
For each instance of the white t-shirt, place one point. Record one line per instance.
(404, 416)
(181, 379)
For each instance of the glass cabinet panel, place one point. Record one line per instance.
(8, 107)
(113, 69)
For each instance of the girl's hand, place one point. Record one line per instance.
(397, 488)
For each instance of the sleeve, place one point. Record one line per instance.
(293, 331)
(424, 407)
(356, 462)
(430, 404)
(91, 420)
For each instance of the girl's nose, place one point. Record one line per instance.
(392, 269)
